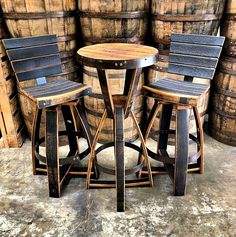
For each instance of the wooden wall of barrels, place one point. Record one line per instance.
(222, 116)
(12, 127)
(79, 23)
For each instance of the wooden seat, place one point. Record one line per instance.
(181, 90)
(55, 92)
(33, 59)
(190, 56)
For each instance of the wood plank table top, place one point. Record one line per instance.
(117, 56)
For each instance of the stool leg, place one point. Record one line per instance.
(35, 138)
(119, 156)
(164, 125)
(147, 129)
(70, 126)
(144, 149)
(92, 153)
(181, 151)
(87, 133)
(200, 139)
(53, 168)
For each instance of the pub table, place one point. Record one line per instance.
(133, 58)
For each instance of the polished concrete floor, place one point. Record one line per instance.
(207, 209)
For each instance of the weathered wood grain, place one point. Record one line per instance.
(222, 117)
(118, 21)
(189, 17)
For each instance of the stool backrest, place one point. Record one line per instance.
(194, 55)
(33, 57)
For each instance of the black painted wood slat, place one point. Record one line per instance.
(181, 151)
(184, 90)
(193, 60)
(165, 125)
(53, 87)
(34, 63)
(198, 39)
(29, 41)
(52, 152)
(33, 52)
(119, 156)
(55, 84)
(185, 83)
(58, 90)
(191, 71)
(174, 90)
(106, 92)
(128, 79)
(167, 86)
(42, 72)
(194, 49)
(70, 126)
(181, 85)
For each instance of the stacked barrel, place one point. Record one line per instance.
(182, 16)
(222, 117)
(12, 129)
(118, 21)
(42, 17)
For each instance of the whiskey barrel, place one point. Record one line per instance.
(41, 17)
(184, 16)
(114, 21)
(3, 34)
(222, 116)
(117, 21)
(228, 28)
(94, 104)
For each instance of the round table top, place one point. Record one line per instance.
(117, 56)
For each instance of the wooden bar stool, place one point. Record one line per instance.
(191, 56)
(118, 107)
(35, 58)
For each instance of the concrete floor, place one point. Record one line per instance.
(207, 209)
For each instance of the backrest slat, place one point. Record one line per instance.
(40, 72)
(194, 49)
(198, 39)
(29, 41)
(192, 70)
(34, 57)
(192, 60)
(33, 52)
(194, 55)
(32, 64)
